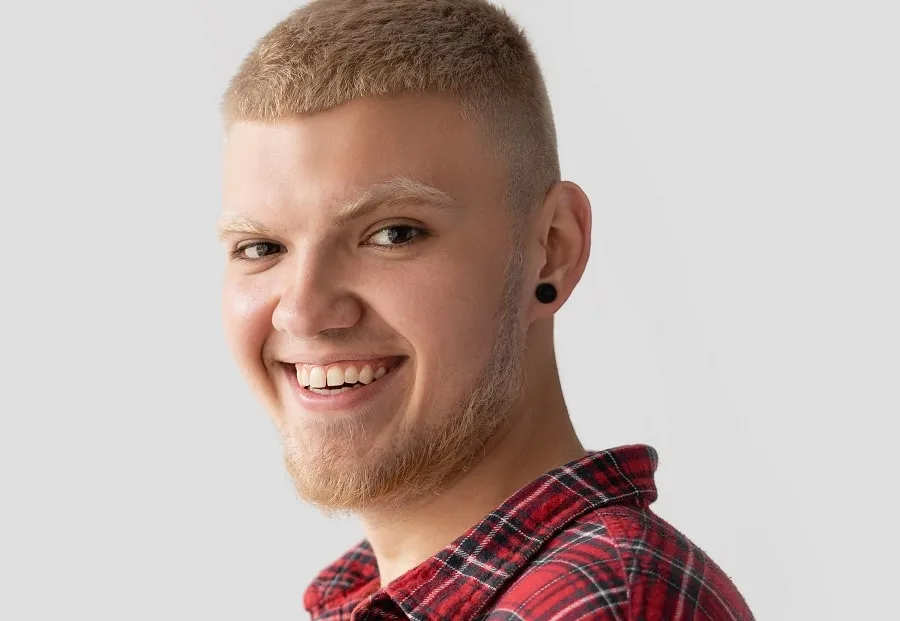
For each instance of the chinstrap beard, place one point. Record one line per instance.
(421, 461)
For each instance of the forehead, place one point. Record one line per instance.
(331, 155)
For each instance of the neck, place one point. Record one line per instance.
(538, 437)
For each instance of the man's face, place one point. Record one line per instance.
(378, 322)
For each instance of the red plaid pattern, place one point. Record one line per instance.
(578, 543)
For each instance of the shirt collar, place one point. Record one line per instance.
(465, 575)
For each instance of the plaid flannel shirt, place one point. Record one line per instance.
(578, 543)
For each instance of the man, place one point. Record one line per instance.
(399, 240)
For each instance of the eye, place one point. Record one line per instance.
(254, 251)
(396, 235)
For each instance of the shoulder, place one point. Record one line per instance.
(620, 563)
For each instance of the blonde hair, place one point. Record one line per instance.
(329, 52)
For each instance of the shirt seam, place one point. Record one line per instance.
(615, 532)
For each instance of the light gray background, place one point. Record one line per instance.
(739, 312)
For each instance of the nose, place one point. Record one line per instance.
(316, 298)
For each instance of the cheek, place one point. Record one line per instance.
(247, 319)
(449, 318)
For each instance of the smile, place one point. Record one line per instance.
(340, 377)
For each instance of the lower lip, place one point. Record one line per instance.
(347, 400)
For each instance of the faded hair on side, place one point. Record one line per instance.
(329, 52)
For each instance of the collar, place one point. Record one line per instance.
(463, 577)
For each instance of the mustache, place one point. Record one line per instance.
(354, 338)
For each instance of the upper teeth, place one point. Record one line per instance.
(320, 377)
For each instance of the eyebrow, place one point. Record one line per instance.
(392, 192)
(238, 224)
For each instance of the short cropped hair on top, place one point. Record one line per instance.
(329, 52)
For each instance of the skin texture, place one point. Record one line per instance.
(475, 410)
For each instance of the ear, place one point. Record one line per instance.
(562, 244)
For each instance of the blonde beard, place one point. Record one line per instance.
(421, 461)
